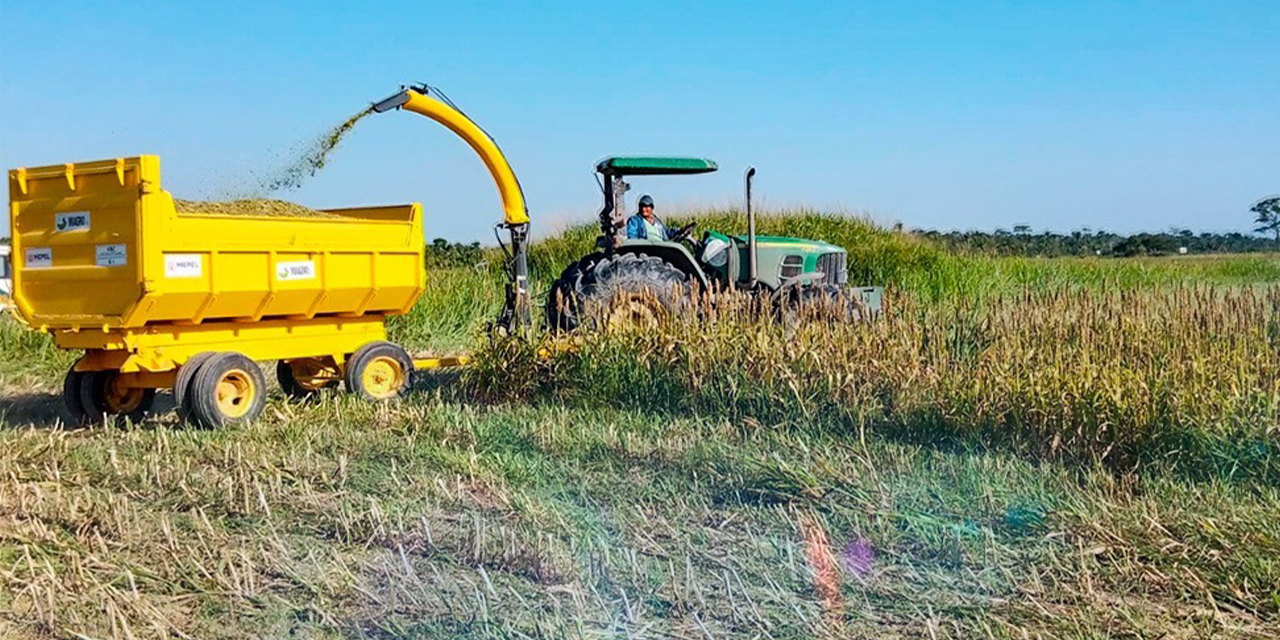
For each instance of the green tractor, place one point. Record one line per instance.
(638, 281)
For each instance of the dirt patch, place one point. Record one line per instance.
(248, 207)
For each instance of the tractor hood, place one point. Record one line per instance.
(785, 242)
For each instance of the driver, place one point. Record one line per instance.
(645, 224)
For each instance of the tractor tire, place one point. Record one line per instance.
(564, 305)
(628, 289)
(379, 371)
(101, 397)
(228, 388)
(827, 303)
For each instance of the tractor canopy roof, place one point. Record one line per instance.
(653, 166)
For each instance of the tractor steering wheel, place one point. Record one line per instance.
(683, 232)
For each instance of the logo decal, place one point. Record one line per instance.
(301, 270)
(71, 221)
(38, 258)
(183, 265)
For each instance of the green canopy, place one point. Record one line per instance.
(653, 166)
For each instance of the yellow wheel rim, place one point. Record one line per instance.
(120, 399)
(634, 310)
(383, 377)
(235, 393)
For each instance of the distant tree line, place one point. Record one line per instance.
(444, 254)
(1086, 242)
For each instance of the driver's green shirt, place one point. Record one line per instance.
(654, 230)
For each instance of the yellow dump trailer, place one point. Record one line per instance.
(160, 299)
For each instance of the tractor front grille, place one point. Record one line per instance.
(792, 266)
(834, 268)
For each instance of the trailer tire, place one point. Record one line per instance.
(287, 376)
(182, 382)
(102, 398)
(71, 397)
(228, 388)
(379, 371)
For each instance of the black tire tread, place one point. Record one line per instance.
(203, 391)
(564, 310)
(93, 387)
(356, 363)
(182, 382)
(596, 278)
(71, 398)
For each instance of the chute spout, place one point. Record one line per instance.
(418, 100)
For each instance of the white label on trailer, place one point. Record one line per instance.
(71, 221)
(38, 258)
(112, 255)
(301, 270)
(183, 265)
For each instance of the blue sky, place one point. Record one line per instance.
(959, 114)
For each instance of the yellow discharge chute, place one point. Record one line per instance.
(416, 100)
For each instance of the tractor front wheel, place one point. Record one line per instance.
(823, 302)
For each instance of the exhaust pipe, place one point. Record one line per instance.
(752, 273)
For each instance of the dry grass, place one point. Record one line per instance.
(1186, 378)
(434, 519)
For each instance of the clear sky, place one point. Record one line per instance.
(951, 114)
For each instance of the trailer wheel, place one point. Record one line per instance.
(379, 371)
(182, 383)
(302, 378)
(71, 397)
(227, 389)
(102, 395)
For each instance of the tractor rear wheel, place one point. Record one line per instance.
(564, 307)
(620, 291)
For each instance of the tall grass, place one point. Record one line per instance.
(879, 256)
(1188, 377)
(454, 306)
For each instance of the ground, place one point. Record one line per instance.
(456, 514)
